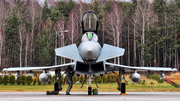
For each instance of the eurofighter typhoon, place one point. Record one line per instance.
(90, 58)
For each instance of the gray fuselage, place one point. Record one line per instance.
(89, 49)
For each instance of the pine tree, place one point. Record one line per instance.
(159, 7)
(19, 80)
(63, 9)
(24, 79)
(12, 80)
(29, 79)
(6, 79)
(46, 11)
(11, 35)
(1, 79)
(128, 13)
(44, 48)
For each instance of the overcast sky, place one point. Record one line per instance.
(88, 1)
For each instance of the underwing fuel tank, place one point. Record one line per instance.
(44, 77)
(135, 77)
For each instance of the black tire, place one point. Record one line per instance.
(89, 91)
(123, 88)
(56, 88)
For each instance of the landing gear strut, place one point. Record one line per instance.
(89, 87)
(121, 86)
(58, 86)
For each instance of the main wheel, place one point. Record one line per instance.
(123, 88)
(89, 91)
(56, 88)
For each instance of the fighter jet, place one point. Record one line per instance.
(90, 58)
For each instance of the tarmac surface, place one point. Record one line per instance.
(82, 96)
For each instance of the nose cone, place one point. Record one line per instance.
(90, 50)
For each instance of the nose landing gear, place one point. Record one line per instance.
(89, 90)
(89, 87)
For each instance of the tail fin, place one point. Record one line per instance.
(109, 51)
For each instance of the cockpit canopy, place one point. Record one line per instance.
(90, 22)
(89, 36)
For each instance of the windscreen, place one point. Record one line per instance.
(90, 21)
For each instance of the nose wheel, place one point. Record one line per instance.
(89, 90)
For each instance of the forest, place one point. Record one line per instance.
(148, 30)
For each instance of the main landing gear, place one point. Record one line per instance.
(57, 86)
(123, 89)
(121, 86)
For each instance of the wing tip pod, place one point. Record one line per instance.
(174, 69)
(5, 70)
(10, 69)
